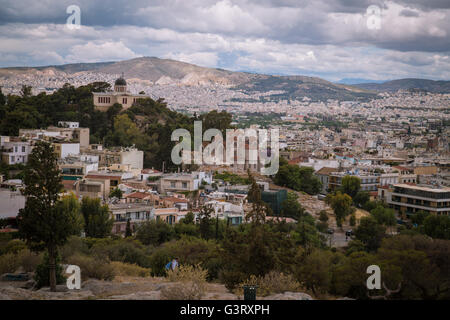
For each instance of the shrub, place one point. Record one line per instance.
(92, 267)
(74, 245)
(123, 250)
(8, 263)
(29, 260)
(14, 246)
(272, 283)
(191, 283)
(158, 262)
(42, 274)
(127, 269)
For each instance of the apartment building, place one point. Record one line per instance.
(116, 156)
(408, 199)
(183, 181)
(14, 150)
(137, 213)
(369, 182)
(74, 168)
(69, 131)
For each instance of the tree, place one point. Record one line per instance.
(154, 232)
(323, 216)
(299, 179)
(188, 218)
(98, 223)
(128, 232)
(25, 91)
(370, 233)
(315, 271)
(437, 227)
(206, 222)
(116, 193)
(384, 215)
(260, 209)
(291, 207)
(45, 221)
(419, 217)
(341, 204)
(361, 198)
(350, 185)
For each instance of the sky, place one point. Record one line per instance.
(332, 39)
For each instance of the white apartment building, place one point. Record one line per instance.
(13, 150)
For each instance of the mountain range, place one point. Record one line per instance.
(166, 72)
(439, 86)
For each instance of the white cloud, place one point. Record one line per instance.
(103, 51)
(206, 59)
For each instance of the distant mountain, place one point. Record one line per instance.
(405, 84)
(167, 72)
(353, 81)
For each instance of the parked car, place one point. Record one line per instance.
(330, 231)
(349, 233)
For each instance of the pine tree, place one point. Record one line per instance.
(128, 232)
(46, 222)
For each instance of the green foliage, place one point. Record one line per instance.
(297, 178)
(384, 216)
(315, 271)
(98, 223)
(419, 217)
(437, 227)
(206, 222)
(352, 220)
(370, 233)
(291, 207)
(42, 274)
(341, 204)
(46, 221)
(231, 178)
(93, 267)
(116, 193)
(154, 232)
(128, 232)
(351, 186)
(361, 198)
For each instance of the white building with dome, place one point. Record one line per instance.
(104, 100)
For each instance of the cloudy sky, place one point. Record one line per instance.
(333, 39)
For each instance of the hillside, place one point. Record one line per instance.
(405, 84)
(168, 72)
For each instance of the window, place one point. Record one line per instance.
(172, 184)
(23, 148)
(185, 185)
(124, 100)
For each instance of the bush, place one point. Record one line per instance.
(42, 274)
(123, 250)
(127, 269)
(14, 246)
(28, 260)
(92, 267)
(272, 283)
(158, 262)
(191, 286)
(8, 263)
(74, 245)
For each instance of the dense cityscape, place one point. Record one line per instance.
(102, 197)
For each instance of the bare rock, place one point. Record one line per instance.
(289, 296)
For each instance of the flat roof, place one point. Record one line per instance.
(415, 187)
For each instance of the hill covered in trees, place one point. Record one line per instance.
(148, 125)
